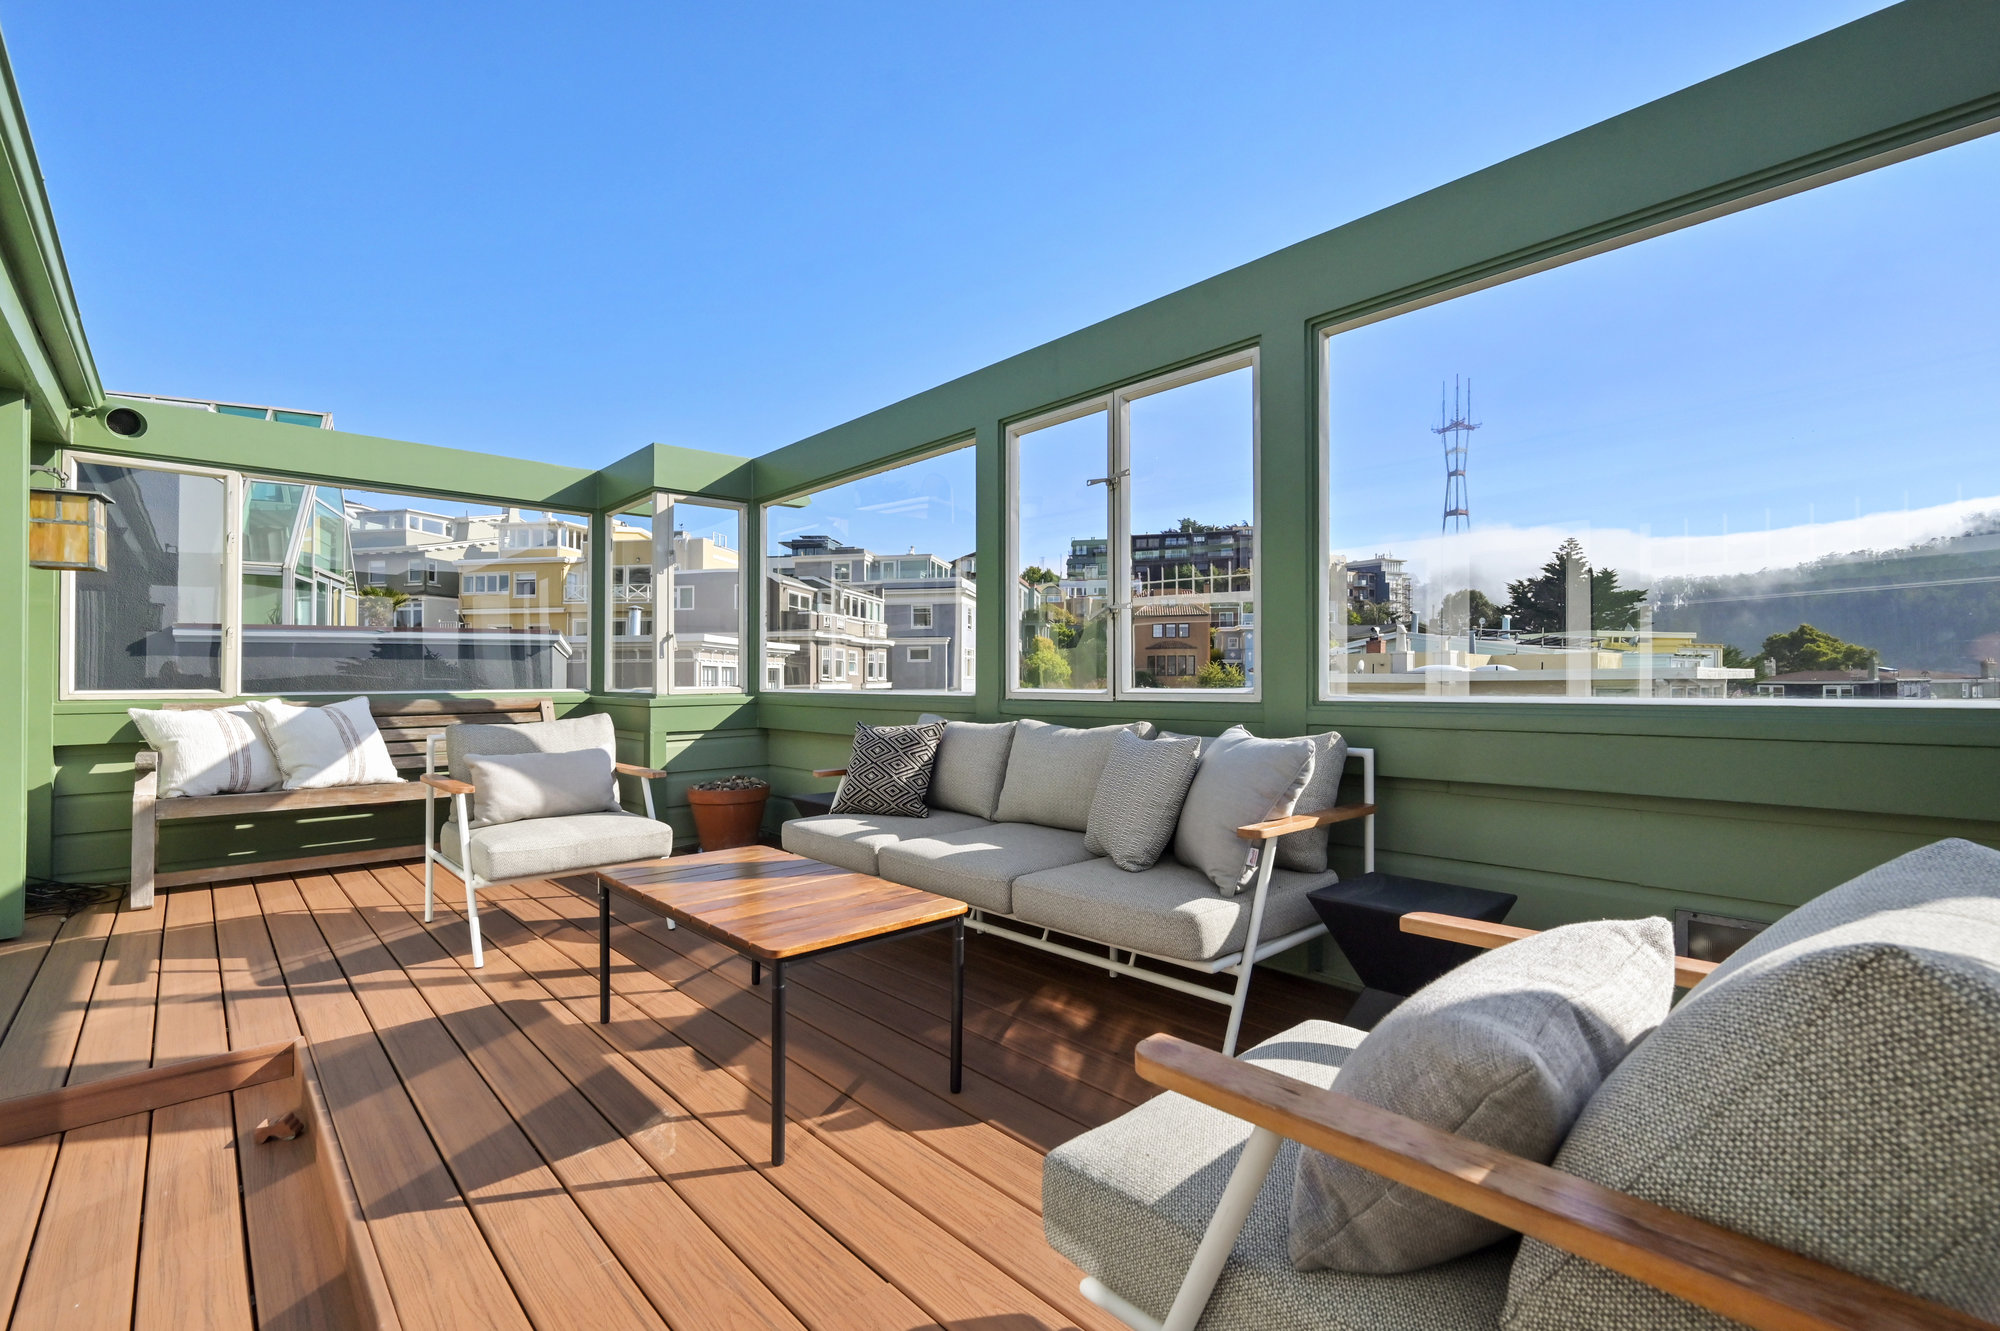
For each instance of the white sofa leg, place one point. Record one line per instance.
(430, 868)
(472, 920)
(1236, 1006)
(1220, 1239)
(1267, 857)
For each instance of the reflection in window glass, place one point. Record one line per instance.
(1064, 541)
(859, 576)
(1193, 539)
(1748, 460)
(345, 592)
(153, 620)
(676, 581)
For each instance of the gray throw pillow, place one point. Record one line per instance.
(510, 788)
(472, 739)
(971, 766)
(1505, 1050)
(1241, 780)
(1138, 800)
(1829, 1089)
(889, 771)
(1052, 772)
(1305, 852)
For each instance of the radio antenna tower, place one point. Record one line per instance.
(1455, 431)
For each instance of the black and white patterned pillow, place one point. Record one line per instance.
(889, 772)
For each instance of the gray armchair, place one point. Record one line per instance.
(534, 847)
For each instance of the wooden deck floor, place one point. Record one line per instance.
(520, 1165)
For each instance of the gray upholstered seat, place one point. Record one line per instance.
(979, 865)
(1169, 910)
(851, 840)
(542, 847)
(1128, 1202)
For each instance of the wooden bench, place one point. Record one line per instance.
(406, 725)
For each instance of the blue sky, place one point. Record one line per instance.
(563, 232)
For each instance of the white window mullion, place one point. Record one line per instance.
(232, 585)
(1118, 648)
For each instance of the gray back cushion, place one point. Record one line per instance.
(1052, 772)
(1305, 852)
(1833, 1089)
(1505, 1050)
(1138, 800)
(466, 741)
(971, 766)
(514, 787)
(1241, 780)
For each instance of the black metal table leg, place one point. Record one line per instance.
(603, 953)
(777, 1062)
(958, 1005)
(756, 971)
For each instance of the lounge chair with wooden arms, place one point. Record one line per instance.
(1806, 1142)
(482, 856)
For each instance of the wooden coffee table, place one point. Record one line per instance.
(778, 908)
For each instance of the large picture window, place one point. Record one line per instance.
(1749, 461)
(318, 589)
(676, 597)
(1134, 520)
(868, 585)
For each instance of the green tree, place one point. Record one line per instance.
(1734, 659)
(1035, 575)
(1195, 527)
(1219, 675)
(1468, 609)
(1371, 612)
(1808, 648)
(1043, 667)
(1538, 604)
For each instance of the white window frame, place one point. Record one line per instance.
(1123, 653)
(534, 582)
(912, 651)
(925, 621)
(873, 610)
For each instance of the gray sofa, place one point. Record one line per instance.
(1831, 1089)
(1005, 835)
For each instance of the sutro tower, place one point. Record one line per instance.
(1455, 430)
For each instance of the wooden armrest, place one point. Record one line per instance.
(1756, 1283)
(449, 785)
(830, 771)
(146, 760)
(1481, 933)
(1303, 822)
(633, 769)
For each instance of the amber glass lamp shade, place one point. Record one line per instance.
(66, 529)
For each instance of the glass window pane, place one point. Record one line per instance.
(349, 592)
(860, 567)
(254, 413)
(692, 548)
(313, 419)
(1747, 460)
(1064, 539)
(153, 620)
(1193, 539)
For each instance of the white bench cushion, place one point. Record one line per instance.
(979, 865)
(1128, 1202)
(1169, 910)
(850, 840)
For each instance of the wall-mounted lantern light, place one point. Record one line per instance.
(67, 528)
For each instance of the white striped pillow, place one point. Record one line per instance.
(334, 745)
(208, 750)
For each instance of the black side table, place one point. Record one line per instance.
(1364, 916)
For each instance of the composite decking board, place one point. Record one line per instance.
(827, 1070)
(559, 1265)
(21, 960)
(36, 1056)
(440, 1271)
(826, 1286)
(297, 1259)
(705, 1284)
(952, 1281)
(193, 1268)
(83, 1267)
(1004, 1229)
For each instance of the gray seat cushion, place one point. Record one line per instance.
(978, 866)
(1169, 910)
(1052, 772)
(850, 840)
(1505, 1050)
(539, 847)
(1128, 1202)
(971, 766)
(1832, 1089)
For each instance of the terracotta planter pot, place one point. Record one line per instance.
(724, 819)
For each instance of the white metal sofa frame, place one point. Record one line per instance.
(1239, 963)
(460, 792)
(1748, 1280)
